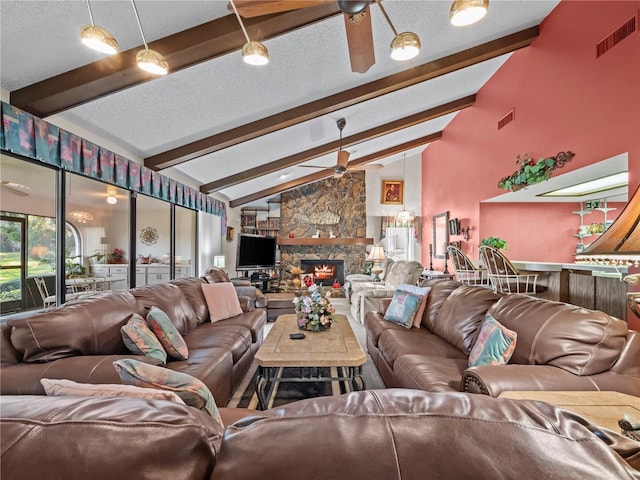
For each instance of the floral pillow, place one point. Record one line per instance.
(191, 390)
(424, 291)
(140, 340)
(495, 344)
(403, 308)
(168, 334)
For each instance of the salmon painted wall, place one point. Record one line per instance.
(564, 99)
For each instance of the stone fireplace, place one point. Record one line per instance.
(325, 221)
(325, 272)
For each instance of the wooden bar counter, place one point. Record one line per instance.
(597, 287)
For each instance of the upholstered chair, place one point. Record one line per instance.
(354, 281)
(369, 293)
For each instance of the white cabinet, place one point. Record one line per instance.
(157, 274)
(113, 272)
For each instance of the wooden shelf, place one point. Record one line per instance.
(324, 241)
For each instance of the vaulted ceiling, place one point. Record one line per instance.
(247, 132)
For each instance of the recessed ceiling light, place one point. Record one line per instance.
(283, 176)
(609, 182)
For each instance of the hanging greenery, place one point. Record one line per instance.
(532, 171)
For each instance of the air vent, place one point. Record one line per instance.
(616, 37)
(508, 118)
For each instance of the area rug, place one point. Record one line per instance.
(287, 392)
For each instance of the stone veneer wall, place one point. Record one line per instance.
(336, 205)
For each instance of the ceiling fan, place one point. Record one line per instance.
(342, 165)
(15, 188)
(357, 22)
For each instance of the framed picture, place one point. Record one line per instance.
(230, 234)
(307, 279)
(392, 192)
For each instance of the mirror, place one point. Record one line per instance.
(440, 234)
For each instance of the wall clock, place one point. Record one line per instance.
(149, 235)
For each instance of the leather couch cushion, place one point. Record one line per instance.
(440, 291)
(8, 353)
(255, 321)
(169, 298)
(106, 438)
(395, 343)
(399, 433)
(547, 334)
(234, 338)
(461, 316)
(87, 327)
(192, 291)
(422, 372)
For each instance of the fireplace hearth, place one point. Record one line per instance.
(325, 272)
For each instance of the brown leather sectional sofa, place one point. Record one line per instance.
(370, 435)
(558, 346)
(80, 340)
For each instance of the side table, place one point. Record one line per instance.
(435, 275)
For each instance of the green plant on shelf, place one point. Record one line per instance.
(531, 171)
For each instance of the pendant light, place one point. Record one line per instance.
(405, 216)
(147, 59)
(97, 38)
(253, 53)
(466, 12)
(405, 45)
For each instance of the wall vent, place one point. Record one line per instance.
(508, 118)
(617, 36)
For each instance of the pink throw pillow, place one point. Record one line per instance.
(222, 300)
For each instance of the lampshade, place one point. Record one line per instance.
(255, 53)
(405, 216)
(620, 243)
(97, 38)
(377, 254)
(466, 12)
(218, 261)
(405, 46)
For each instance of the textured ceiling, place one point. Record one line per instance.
(41, 39)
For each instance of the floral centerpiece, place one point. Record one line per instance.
(117, 256)
(314, 311)
(531, 171)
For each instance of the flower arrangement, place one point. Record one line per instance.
(117, 256)
(314, 311)
(532, 171)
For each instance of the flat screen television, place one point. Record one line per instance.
(255, 252)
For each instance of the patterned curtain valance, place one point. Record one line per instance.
(386, 222)
(32, 137)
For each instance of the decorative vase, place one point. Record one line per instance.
(296, 282)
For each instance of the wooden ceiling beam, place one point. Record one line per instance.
(347, 98)
(347, 142)
(314, 177)
(181, 50)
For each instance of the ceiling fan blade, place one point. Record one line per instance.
(360, 41)
(15, 188)
(312, 166)
(256, 8)
(375, 166)
(343, 158)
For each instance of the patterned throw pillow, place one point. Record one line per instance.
(424, 292)
(403, 308)
(139, 339)
(190, 389)
(168, 334)
(495, 344)
(62, 387)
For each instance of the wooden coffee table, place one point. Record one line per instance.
(335, 347)
(602, 408)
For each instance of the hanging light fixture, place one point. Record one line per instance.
(147, 59)
(466, 12)
(405, 216)
(253, 53)
(97, 38)
(405, 45)
(80, 216)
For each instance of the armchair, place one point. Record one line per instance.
(354, 281)
(368, 294)
(251, 294)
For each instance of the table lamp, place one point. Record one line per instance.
(619, 245)
(218, 261)
(376, 255)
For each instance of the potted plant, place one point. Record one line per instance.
(495, 242)
(532, 171)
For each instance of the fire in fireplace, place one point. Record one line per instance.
(325, 272)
